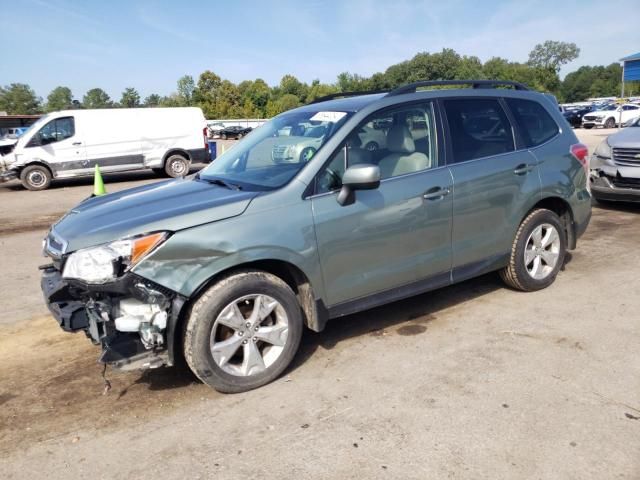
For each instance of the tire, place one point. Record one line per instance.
(610, 123)
(306, 154)
(230, 371)
(176, 166)
(371, 146)
(35, 177)
(523, 274)
(223, 136)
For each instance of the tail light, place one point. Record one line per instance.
(581, 153)
(204, 137)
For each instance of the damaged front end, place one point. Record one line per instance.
(132, 318)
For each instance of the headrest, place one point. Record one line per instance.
(399, 140)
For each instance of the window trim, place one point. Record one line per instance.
(311, 190)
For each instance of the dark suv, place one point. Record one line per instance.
(228, 267)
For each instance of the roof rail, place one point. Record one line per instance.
(412, 87)
(344, 95)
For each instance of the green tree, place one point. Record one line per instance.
(291, 85)
(152, 100)
(317, 90)
(96, 98)
(186, 87)
(60, 98)
(19, 99)
(553, 55)
(130, 98)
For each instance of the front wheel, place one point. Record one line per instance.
(35, 177)
(537, 253)
(610, 123)
(243, 331)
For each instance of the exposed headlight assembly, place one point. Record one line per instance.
(603, 150)
(105, 263)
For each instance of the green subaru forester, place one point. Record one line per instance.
(338, 206)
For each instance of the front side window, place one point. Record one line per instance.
(56, 131)
(479, 128)
(274, 153)
(534, 122)
(400, 141)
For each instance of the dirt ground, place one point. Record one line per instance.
(471, 381)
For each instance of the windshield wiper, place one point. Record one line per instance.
(222, 183)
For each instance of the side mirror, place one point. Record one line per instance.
(359, 177)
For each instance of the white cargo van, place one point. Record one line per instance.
(70, 143)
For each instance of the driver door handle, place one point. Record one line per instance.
(435, 193)
(76, 143)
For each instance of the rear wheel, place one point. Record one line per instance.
(243, 331)
(35, 177)
(610, 123)
(176, 166)
(537, 253)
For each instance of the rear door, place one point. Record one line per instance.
(494, 182)
(113, 140)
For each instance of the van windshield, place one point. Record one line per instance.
(274, 153)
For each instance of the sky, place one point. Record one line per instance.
(148, 45)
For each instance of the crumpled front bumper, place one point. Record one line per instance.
(93, 310)
(614, 188)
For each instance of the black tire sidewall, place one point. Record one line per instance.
(202, 361)
(539, 217)
(24, 175)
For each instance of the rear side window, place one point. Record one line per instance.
(479, 127)
(535, 124)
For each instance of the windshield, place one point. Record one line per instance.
(275, 152)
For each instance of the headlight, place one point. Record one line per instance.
(603, 150)
(106, 262)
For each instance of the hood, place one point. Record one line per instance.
(626, 138)
(171, 205)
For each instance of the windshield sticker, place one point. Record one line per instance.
(328, 116)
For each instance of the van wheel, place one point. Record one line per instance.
(35, 177)
(537, 253)
(243, 331)
(176, 166)
(610, 123)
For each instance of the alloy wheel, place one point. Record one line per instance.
(542, 251)
(249, 335)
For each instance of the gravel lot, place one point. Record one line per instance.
(471, 381)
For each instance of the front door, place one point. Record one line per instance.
(59, 146)
(397, 235)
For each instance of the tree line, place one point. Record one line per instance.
(220, 98)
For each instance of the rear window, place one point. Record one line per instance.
(479, 128)
(535, 124)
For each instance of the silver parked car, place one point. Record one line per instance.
(615, 166)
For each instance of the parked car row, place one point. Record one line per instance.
(606, 115)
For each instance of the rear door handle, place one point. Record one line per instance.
(435, 193)
(76, 143)
(523, 169)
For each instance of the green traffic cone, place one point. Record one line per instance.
(98, 183)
